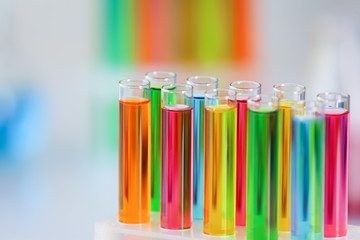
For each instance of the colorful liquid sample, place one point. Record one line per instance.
(198, 200)
(220, 170)
(284, 166)
(177, 171)
(307, 177)
(336, 172)
(155, 148)
(262, 175)
(134, 160)
(241, 163)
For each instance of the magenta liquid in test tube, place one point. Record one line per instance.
(177, 157)
(244, 90)
(336, 163)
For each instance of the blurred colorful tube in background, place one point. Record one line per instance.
(24, 123)
(145, 31)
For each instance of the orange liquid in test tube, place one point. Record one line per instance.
(134, 160)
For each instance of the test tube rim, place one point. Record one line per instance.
(271, 98)
(243, 93)
(277, 90)
(188, 88)
(340, 96)
(208, 92)
(214, 80)
(152, 75)
(145, 83)
(245, 81)
(320, 96)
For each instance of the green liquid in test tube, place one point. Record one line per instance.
(157, 80)
(262, 168)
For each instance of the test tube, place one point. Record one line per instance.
(244, 90)
(262, 168)
(288, 93)
(134, 151)
(177, 157)
(307, 170)
(200, 85)
(336, 163)
(157, 80)
(220, 162)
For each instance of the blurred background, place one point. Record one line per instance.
(60, 61)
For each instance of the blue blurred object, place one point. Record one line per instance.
(22, 124)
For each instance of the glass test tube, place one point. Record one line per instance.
(244, 90)
(288, 93)
(177, 157)
(262, 168)
(200, 85)
(157, 80)
(220, 162)
(307, 170)
(134, 151)
(336, 163)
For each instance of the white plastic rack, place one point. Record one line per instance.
(111, 229)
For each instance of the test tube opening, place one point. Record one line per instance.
(335, 100)
(160, 78)
(245, 89)
(263, 101)
(289, 91)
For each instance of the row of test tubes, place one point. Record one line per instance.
(272, 163)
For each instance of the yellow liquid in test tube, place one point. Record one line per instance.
(284, 166)
(220, 165)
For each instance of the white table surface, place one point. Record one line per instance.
(111, 229)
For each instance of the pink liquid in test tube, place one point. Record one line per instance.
(244, 90)
(336, 164)
(241, 163)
